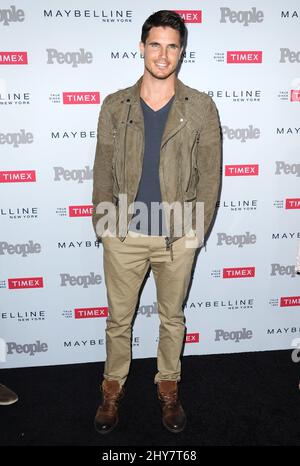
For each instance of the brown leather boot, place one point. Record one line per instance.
(7, 396)
(173, 415)
(106, 417)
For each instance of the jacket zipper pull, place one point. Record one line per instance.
(169, 246)
(167, 240)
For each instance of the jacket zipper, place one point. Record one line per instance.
(196, 140)
(169, 247)
(114, 163)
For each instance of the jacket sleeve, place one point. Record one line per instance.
(102, 170)
(209, 163)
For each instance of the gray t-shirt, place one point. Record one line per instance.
(149, 187)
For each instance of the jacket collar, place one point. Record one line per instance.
(177, 115)
(180, 90)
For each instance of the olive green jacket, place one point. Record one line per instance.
(190, 157)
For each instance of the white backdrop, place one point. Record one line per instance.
(244, 295)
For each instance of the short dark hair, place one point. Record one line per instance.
(164, 18)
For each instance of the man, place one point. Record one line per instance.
(158, 143)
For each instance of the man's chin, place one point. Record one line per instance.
(161, 76)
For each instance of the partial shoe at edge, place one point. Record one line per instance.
(7, 396)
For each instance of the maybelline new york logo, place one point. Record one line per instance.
(282, 331)
(221, 304)
(9, 98)
(83, 343)
(290, 14)
(106, 16)
(236, 95)
(78, 244)
(73, 135)
(19, 213)
(114, 219)
(188, 56)
(288, 131)
(238, 205)
(24, 316)
(286, 235)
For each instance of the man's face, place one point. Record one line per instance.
(162, 51)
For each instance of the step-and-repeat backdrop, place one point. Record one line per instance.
(58, 61)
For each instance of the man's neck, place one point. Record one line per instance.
(157, 92)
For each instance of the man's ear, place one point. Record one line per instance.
(142, 47)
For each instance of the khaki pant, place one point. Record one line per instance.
(125, 266)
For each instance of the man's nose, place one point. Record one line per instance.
(163, 52)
